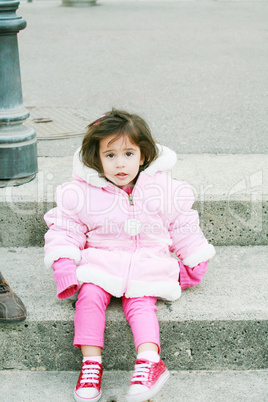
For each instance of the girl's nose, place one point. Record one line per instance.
(120, 162)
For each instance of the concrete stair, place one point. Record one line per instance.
(183, 386)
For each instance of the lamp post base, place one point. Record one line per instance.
(18, 152)
(18, 149)
(16, 182)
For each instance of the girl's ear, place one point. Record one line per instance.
(142, 160)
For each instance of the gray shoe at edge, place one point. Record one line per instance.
(12, 308)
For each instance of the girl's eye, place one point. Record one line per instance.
(129, 153)
(110, 156)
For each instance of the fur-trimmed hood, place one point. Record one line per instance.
(165, 161)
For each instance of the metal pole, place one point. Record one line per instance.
(18, 149)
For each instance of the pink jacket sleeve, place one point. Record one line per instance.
(66, 236)
(65, 276)
(188, 240)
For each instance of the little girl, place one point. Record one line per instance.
(112, 234)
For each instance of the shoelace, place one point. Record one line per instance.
(141, 372)
(90, 373)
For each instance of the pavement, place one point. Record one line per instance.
(195, 70)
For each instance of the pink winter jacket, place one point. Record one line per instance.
(123, 242)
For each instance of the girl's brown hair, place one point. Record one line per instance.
(117, 122)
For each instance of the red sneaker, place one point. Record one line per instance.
(88, 387)
(147, 379)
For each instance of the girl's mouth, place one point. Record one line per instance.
(121, 175)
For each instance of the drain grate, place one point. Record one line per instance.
(58, 122)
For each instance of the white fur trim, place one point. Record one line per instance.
(199, 256)
(114, 285)
(89, 175)
(165, 290)
(110, 283)
(63, 252)
(165, 161)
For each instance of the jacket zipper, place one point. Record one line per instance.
(131, 203)
(130, 198)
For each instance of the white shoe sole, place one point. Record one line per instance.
(81, 399)
(144, 396)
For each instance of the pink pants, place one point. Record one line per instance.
(89, 320)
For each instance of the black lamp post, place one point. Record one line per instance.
(18, 149)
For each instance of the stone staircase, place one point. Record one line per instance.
(214, 338)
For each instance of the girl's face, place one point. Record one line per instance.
(120, 160)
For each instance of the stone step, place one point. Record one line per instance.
(231, 196)
(220, 324)
(183, 386)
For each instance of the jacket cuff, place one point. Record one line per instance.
(62, 286)
(191, 276)
(65, 276)
(202, 255)
(71, 252)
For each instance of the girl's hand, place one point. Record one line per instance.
(70, 287)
